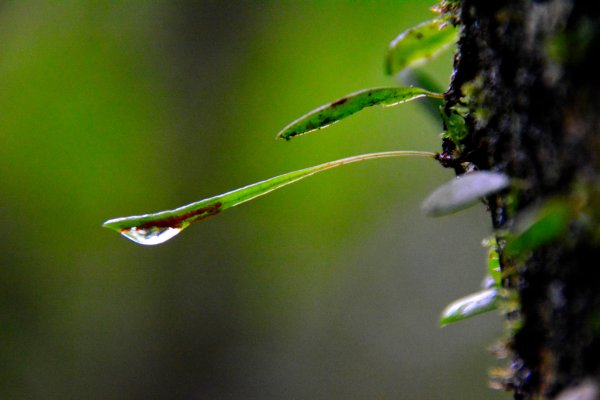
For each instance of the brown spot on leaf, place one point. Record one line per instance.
(339, 102)
(177, 221)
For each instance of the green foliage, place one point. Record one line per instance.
(419, 44)
(456, 127)
(493, 265)
(119, 108)
(157, 228)
(351, 104)
(539, 227)
(411, 48)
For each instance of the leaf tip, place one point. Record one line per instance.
(284, 136)
(112, 224)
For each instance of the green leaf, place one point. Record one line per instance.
(456, 126)
(350, 104)
(540, 227)
(463, 192)
(420, 44)
(493, 265)
(469, 306)
(151, 229)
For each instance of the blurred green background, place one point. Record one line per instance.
(328, 289)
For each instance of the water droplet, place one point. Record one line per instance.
(150, 236)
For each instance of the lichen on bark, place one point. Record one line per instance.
(528, 73)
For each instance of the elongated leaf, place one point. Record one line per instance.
(469, 306)
(539, 227)
(151, 229)
(463, 192)
(419, 44)
(350, 104)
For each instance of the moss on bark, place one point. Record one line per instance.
(529, 72)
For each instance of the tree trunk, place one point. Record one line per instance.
(529, 73)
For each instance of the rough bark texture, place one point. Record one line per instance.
(532, 69)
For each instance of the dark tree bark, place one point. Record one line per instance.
(531, 70)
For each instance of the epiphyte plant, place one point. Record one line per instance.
(151, 229)
(483, 301)
(410, 49)
(418, 45)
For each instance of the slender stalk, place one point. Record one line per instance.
(168, 223)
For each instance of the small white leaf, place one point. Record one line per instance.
(469, 306)
(463, 192)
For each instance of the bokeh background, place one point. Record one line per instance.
(328, 289)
